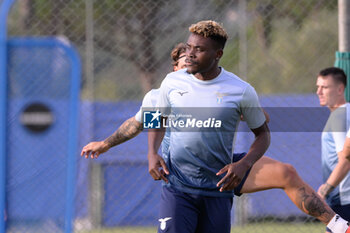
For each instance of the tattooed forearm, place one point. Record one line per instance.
(326, 189)
(129, 129)
(312, 204)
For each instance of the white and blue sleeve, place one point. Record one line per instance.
(146, 103)
(338, 121)
(339, 140)
(251, 109)
(163, 103)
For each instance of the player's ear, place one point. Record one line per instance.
(219, 54)
(341, 88)
(175, 68)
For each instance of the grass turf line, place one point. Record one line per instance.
(255, 227)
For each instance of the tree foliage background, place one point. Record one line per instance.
(277, 46)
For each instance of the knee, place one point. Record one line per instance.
(288, 174)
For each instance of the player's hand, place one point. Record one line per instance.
(235, 172)
(94, 149)
(320, 192)
(324, 190)
(157, 167)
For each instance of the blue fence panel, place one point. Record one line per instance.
(5, 6)
(42, 121)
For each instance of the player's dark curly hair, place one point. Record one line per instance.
(176, 52)
(338, 74)
(210, 29)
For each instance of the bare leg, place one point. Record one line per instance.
(268, 173)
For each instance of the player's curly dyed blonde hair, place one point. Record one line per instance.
(176, 52)
(210, 29)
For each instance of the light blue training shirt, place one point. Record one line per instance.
(197, 153)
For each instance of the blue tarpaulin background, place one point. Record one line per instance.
(131, 196)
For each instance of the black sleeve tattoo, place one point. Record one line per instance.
(312, 204)
(128, 130)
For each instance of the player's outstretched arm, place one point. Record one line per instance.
(156, 164)
(94, 149)
(338, 174)
(128, 130)
(236, 171)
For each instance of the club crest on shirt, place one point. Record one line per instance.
(220, 96)
(163, 222)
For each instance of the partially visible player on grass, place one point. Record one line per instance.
(331, 83)
(133, 126)
(201, 175)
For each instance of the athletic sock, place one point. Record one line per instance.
(338, 224)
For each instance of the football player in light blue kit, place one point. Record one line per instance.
(201, 173)
(331, 83)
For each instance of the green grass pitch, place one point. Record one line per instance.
(256, 228)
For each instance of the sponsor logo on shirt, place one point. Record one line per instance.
(182, 92)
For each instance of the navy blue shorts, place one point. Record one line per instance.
(189, 213)
(236, 158)
(343, 211)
